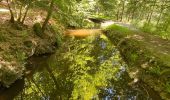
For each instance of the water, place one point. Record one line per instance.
(82, 69)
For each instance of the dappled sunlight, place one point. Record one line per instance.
(138, 37)
(78, 71)
(4, 14)
(8, 71)
(3, 10)
(106, 24)
(84, 49)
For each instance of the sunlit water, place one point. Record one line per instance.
(82, 69)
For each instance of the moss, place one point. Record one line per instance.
(120, 29)
(155, 70)
(37, 29)
(10, 71)
(167, 87)
(140, 53)
(2, 38)
(21, 56)
(19, 45)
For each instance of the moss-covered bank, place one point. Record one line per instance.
(148, 57)
(17, 43)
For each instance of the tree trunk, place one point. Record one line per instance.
(161, 12)
(123, 7)
(152, 9)
(25, 14)
(134, 10)
(50, 10)
(117, 15)
(12, 15)
(133, 14)
(20, 13)
(159, 18)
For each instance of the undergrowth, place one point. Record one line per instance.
(156, 30)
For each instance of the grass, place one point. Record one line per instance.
(167, 87)
(155, 70)
(2, 38)
(119, 29)
(155, 30)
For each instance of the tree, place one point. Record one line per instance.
(11, 12)
(19, 9)
(49, 14)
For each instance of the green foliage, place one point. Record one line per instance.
(134, 57)
(41, 4)
(59, 30)
(167, 87)
(80, 70)
(25, 33)
(8, 56)
(37, 29)
(20, 56)
(155, 30)
(148, 28)
(2, 38)
(155, 70)
(118, 28)
(76, 14)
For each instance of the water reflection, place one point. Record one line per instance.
(81, 69)
(14, 90)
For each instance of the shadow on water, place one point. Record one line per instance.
(13, 91)
(81, 69)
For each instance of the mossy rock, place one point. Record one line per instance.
(28, 43)
(37, 29)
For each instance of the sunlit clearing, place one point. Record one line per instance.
(106, 23)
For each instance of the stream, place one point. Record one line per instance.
(81, 69)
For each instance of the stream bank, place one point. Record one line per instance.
(19, 42)
(77, 62)
(147, 56)
(79, 71)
